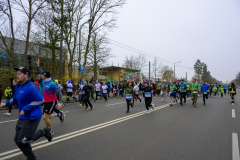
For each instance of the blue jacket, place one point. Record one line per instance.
(29, 100)
(205, 88)
(225, 86)
(183, 85)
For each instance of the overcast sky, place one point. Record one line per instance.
(182, 30)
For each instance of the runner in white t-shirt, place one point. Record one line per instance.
(97, 88)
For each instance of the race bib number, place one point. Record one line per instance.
(148, 94)
(205, 93)
(194, 92)
(120, 89)
(104, 91)
(128, 96)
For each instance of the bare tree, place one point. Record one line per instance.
(99, 13)
(30, 9)
(74, 15)
(99, 53)
(7, 38)
(137, 62)
(168, 75)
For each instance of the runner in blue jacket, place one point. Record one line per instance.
(205, 88)
(29, 100)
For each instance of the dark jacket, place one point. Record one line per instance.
(87, 90)
(148, 89)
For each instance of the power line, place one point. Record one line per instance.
(141, 52)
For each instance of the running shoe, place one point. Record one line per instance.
(62, 117)
(192, 102)
(140, 100)
(148, 112)
(52, 133)
(66, 103)
(170, 104)
(153, 105)
(127, 111)
(82, 107)
(92, 107)
(48, 134)
(7, 114)
(185, 101)
(181, 103)
(86, 108)
(176, 101)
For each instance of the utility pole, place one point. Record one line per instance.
(174, 70)
(149, 71)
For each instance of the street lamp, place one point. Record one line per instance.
(174, 68)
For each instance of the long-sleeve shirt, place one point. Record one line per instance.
(104, 88)
(49, 89)
(29, 100)
(8, 93)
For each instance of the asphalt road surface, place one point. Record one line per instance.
(209, 132)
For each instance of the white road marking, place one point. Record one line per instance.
(233, 113)
(9, 121)
(235, 147)
(67, 136)
(114, 104)
(17, 119)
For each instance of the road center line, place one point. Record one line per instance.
(235, 147)
(233, 113)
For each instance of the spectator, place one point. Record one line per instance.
(8, 95)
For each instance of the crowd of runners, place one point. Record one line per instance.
(42, 99)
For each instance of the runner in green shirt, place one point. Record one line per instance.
(158, 88)
(173, 94)
(194, 87)
(221, 90)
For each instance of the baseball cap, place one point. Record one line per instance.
(25, 70)
(46, 74)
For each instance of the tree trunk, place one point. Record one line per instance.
(53, 63)
(87, 47)
(61, 44)
(28, 33)
(70, 66)
(11, 53)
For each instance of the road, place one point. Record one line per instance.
(209, 132)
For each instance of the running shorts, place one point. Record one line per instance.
(173, 94)
(194, 95)
(49, 106)
(69, 94)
